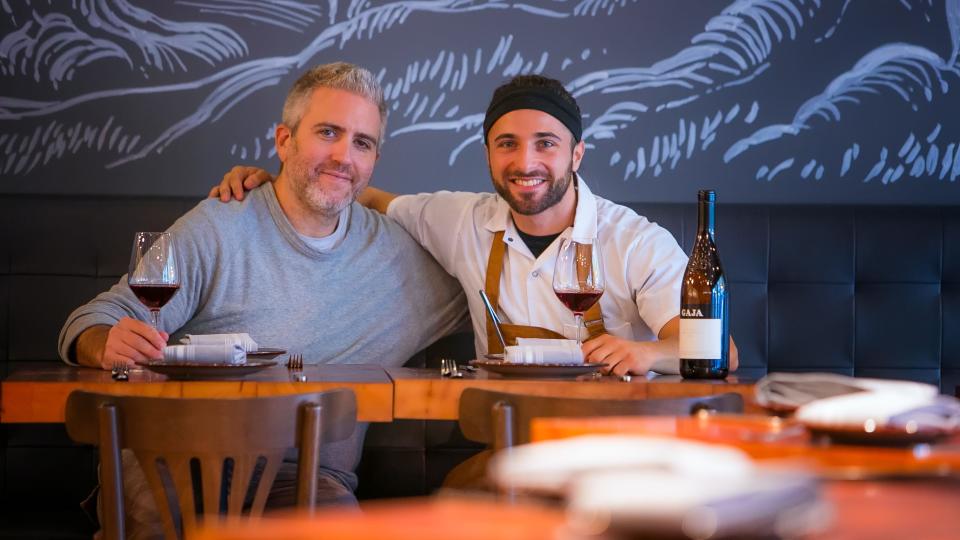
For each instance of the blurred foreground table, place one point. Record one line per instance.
(771, 438)
(876, 492)
(423, 519)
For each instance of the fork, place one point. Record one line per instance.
(295, 364)
(120, 371)
(448, 368)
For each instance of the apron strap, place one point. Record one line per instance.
(592, 319)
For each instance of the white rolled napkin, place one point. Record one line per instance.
(791, 390)
(242, 339)
(221, 353)
(544, 351)
(883, 408)
(641, 486)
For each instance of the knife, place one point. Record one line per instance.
(496, 320)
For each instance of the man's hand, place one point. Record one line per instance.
(126, 342)
(239, 180)
(624, 356)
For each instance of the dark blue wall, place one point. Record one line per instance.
(828, 101)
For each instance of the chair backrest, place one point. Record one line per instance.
(503, 419)
(207, 458)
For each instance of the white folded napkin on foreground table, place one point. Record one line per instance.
(640, 486)
(884, 409)
(544, 351)
(243, 339)
(791, 390)
(831, 400)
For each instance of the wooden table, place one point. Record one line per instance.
(862, 511)
(423, 394)
(414, 519)
(769, 438)
(876, 492)
(39, 395)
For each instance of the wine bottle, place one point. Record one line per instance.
(704, 316)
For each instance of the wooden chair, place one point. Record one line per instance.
(207, 458)
(502, 419)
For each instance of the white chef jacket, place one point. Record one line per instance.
(643, 264)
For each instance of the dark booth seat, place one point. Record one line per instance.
(858, 290)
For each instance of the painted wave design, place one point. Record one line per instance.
(286, 14)
(235, 83)
(895, 71)
(699, 96)
(53, 46)
(734, 48)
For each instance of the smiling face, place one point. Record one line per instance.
(331, 156)
(532, 158)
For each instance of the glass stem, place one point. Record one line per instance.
(579, 317)
(155, 315)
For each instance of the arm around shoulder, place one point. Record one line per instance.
(376, 199)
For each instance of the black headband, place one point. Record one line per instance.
(540, 99)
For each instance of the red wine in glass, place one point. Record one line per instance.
(579, 301)
(154, 296)
(153, 277)
(578, 276)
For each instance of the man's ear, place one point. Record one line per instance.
(578, 150)
(283, 139)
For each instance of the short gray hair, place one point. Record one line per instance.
(339, 76)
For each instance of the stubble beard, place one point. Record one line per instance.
(308, 189)
(529, 205)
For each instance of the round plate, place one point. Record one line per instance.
(266, 353)
(200, 370)
(509, 369)
(880, 436)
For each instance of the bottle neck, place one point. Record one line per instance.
(705, 223)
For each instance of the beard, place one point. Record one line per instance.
(321, 195)
(528, 204)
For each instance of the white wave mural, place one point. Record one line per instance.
(745, 94)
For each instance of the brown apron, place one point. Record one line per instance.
(592, 319)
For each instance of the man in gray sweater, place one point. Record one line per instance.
(297, 264)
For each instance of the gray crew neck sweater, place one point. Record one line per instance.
(376, 298)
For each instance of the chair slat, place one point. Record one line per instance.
(176, 429)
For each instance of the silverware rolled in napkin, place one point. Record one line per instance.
(544, 351)
(242, 338)
(224, 353)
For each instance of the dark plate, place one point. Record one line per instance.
(880, 436)
(266, 353)
(198, 370)
(509, 369)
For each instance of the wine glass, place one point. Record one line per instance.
(153, 276)
(578, 277)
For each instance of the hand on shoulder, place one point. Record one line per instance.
(238, 181)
